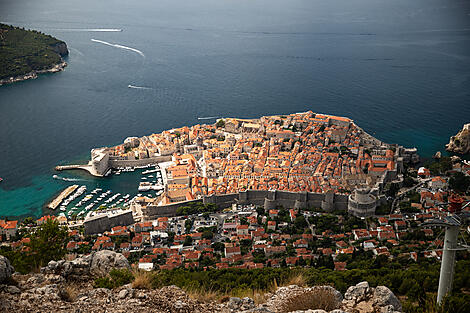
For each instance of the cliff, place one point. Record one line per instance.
(26, 53)
(60, 48)
(460, 143)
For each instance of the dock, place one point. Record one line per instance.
(64, 194)
(90, 169)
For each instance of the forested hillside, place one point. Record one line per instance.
(23, 51)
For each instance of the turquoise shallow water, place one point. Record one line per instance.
(400, 69)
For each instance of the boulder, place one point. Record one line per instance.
(123, 293)
(6, 270)
(13, 290)
(104, 261)
(95, 264)
(358, 292)
(384, 297)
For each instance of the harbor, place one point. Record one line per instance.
(80, 201)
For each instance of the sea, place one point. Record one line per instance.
(400, 69)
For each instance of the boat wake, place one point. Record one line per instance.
(139, 87)
(65, 178)
(207, 118)
(76, 51)
(119, 46)
(99, 30)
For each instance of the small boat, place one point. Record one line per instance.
(1, 179)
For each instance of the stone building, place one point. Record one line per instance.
(362, 203)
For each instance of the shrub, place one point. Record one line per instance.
(116, 278)
(121, 277)
(103, 282)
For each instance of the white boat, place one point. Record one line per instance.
(144, 186)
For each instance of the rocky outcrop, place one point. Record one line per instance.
(362, 298)
(6, 270)
(34, 74)
(61, 48)
(52, 293)
(460, 143)
(104, 261)
(95, 264)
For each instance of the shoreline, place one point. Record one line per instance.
(59, 67)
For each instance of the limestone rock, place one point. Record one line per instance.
(13, 290)
(6, 270)
(384, 297)
(104, 261)
(460, 143)
(358, 292)
(97, 264)
(123, 293)
(50, 297)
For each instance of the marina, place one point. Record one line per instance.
(79, 201)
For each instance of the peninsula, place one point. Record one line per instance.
(298, 153)
(26, 53)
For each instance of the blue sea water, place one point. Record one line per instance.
(400, 69)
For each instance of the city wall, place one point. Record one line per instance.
(267, 199)
(103, 222)
(113, 163)
(152, 212)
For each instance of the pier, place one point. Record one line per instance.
(64, 194)
(67, 167)
(87, 168)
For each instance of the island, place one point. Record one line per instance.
(26, 53)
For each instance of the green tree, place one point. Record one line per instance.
(459, 182)
(48, 242)
(220, 123)
(188, 241)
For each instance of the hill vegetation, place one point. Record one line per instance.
(24, 51)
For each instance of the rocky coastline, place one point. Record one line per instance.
(460, 143)
(34, 74)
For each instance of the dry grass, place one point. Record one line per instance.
(69, 292)
(142, 279)
(203, 295)
(295, 279)
(318, 298)
(258, 295)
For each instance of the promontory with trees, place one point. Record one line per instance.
(26, 53)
